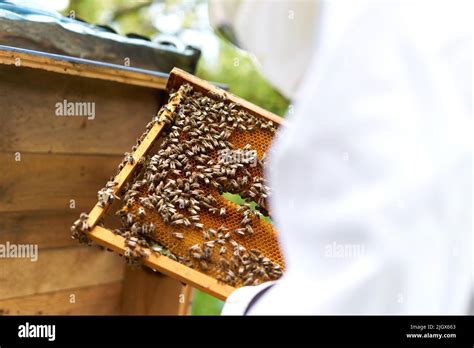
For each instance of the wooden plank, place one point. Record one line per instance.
(102, 299)
(47, 229)
(178, 77)
(81, 67)
(165, 265)
(49, 182)
(58, 269)
(186, 300)
(150, 293)
(29, 122)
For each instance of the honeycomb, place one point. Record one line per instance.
(251, 254)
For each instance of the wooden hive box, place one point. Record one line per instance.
(51, 169)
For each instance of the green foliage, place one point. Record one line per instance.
(239, 71)
(204, 304)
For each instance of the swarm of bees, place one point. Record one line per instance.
(174, 196)
(79, 229)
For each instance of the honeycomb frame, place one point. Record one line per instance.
(165, 265)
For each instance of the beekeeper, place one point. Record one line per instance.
(372, 177)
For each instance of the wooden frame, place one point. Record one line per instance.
(164, 264)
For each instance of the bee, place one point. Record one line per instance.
(266, 261)
(194, 218)
(178, 222)
(222, 228)
(144, 252)
(196, 255)
(278, 273)
(245, 221)
(146, 202)
(135, 228)
(212, 232)
(246, 262)
(129, 219)
(178, 235)
(249, 229)
(222, 250)
(240, 231)
(131, 243)
(222, 211)
(203, 265)
(223, 263)
(195, 247)
(230, 274)
(255, 252)
(84, 226)
(248, 281)
(210, 244)
(141, 212)
(105, 196)
(242, 208)
(129, 158)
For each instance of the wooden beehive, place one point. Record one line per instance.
(164, 264)
(51, 169)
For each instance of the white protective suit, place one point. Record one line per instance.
(372, 177)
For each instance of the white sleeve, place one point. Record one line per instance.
(241, 300)
(372, 179)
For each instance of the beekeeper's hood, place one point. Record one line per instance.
(279, 33)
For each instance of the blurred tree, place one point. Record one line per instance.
(232, 66)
